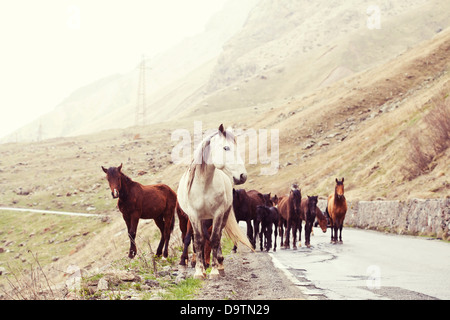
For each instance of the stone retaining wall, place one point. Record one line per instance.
(417, 216)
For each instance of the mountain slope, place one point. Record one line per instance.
(284, 50)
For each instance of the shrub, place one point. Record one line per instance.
(424, 146)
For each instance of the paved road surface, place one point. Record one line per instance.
(65, 213)
(369, 265)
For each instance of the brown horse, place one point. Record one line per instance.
(309, 213)
(289, 209)
(187, 235)
(244, 206)
(336, 209)
(137, 201)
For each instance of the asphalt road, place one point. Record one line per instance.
(369, 265)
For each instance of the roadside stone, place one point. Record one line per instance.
(152, 283)
(102, 284)
(309, 145)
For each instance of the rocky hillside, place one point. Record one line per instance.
(288, 49)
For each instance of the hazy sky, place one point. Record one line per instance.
(49, 48)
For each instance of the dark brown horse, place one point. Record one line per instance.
(266, 217)
(187, 235)
(137, 201)
(243, 211)
(244, 206)
(336, 209)
(309, 213)
(289, 209)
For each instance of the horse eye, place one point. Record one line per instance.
(226, 148)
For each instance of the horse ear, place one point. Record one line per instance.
(221, 130)
(104, 169)
(342, 179)
(337, 180)
(120, 167)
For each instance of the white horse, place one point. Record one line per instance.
(206, 192)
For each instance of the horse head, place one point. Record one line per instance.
(113, 175)
(312, 204)
(267, 200)
(295, 198)
(225, 156)
(274, 200)
(339, 189)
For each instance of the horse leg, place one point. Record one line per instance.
(194, 255)
(215, 244)
(300, 233)
(281, 232)
(335, 227)
(340, 232)
(269, 236)
(216, 235)
(132, 228)
(308, 227)
(160, 224)
(288, 231)
(275, 239)
(169, 223)
(261, 236)
(186, 243)
(294, 235)
(250, 233)
(256, 233)
(199, 250)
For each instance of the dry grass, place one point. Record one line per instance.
(429, 142)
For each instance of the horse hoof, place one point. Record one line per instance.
(308, 245)
(341, 242)
(182, 268)
(214, 274)
(199, 274)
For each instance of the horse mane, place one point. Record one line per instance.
(202, 155)
(125, 181)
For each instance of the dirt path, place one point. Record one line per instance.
(250, 276)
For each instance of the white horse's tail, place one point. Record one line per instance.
(234, 232)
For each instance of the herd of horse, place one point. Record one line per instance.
(206, 203)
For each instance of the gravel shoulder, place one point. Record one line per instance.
(250, 276)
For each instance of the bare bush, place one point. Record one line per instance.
(32, 285)
(438, 123)
(418, 157)
(426, 145)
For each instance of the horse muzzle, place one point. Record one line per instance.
(115, 194)
(241, 180)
